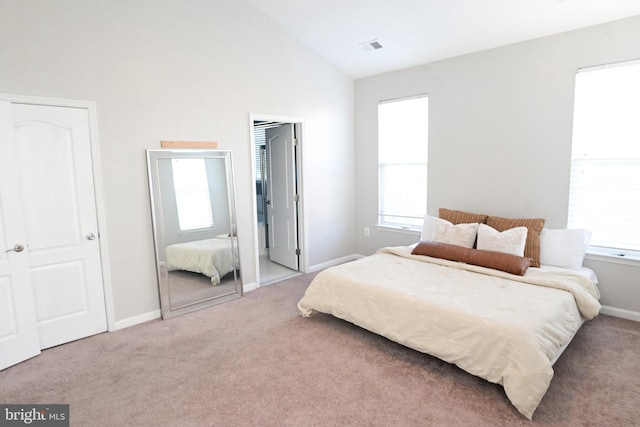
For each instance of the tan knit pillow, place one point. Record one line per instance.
(534, 228)
(458, 234)
(461, 217)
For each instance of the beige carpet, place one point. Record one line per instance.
(187, 287)
(256, 362)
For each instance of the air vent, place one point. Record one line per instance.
(371, 45)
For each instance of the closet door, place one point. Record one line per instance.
(55, 179)
(51, 286)
(18, 328)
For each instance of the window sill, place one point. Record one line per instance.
(594, 254)
(195, 231)
(398, 229)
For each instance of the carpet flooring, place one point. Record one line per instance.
(187, 288)
(256, 362)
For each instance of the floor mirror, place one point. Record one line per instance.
(193, 213)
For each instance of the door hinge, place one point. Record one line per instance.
(297, 251)
(296, 198)
(295, 141)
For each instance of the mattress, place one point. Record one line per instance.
(501, 327)
(211, 257)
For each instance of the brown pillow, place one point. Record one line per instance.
(513, 264)
(441, 250)
(534, 228)
(496, 260)
(461, 217)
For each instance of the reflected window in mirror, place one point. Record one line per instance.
(193, 199)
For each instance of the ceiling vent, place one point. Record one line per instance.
(371, 45)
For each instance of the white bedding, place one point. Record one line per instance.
(498, 326)
(211, 257)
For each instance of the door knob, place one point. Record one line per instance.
(91, 236)
(18, 247)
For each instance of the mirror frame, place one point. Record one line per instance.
(169, 309)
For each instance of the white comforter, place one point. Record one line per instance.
(498, 326)
(211, 257)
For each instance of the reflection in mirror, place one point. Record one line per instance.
(194, 224)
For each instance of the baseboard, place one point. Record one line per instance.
(136, 320)
(318, 267)
(620, 312)
(248, 287)
(156, 314)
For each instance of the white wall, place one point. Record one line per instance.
(499, 135)
(184, 70)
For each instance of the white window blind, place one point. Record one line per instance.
(605, 162)
(260, 141)
(193, 199)
(402, 162)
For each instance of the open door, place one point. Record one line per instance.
(282, 203)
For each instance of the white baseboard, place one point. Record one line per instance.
(318, 267)
(620, 312)
(248, 287)
(136, 320)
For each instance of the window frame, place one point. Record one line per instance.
(596, 251)
(381, 213)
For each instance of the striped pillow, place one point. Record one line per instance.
(534, 228)
(461, 217)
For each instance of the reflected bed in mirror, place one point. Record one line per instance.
(194, 225)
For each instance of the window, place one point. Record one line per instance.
(402, 162)
(193, 200)
(605, 161)
(260, 141)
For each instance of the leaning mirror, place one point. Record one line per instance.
(194, 225)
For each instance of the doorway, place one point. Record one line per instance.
(276, 143)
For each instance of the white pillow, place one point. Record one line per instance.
(564, 248)
(429, 225)
(511, 241)
(459, 234)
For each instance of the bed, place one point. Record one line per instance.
(211, 257)
(506, 328)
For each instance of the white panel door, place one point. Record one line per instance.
(55, 180)
(282, 206)
(18, 329)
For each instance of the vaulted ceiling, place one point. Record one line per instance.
(414, 32)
